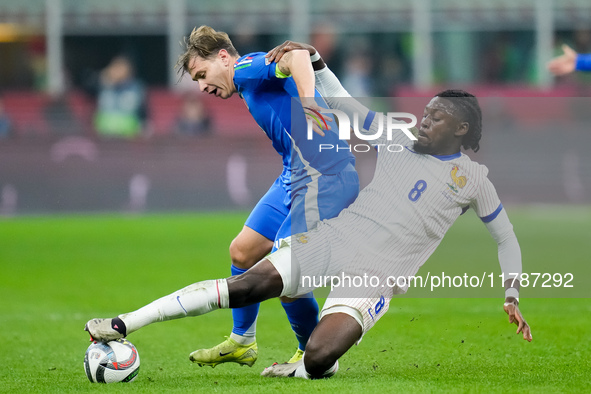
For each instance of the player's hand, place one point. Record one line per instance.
(275, 54)
(565, 63)
(314, 114)
(516, 317)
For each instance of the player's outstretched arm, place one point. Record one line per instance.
(275, 54)
(297, 64)
(565, 63)
(327, 84)
(501, 229)
(511, 307)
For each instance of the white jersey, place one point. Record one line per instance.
(393, 227)
(400, 218)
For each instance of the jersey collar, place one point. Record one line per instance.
(448, 157)
(440, 157)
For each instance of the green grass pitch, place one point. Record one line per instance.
(58, 272)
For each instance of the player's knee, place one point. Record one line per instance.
(240, 256)
(319, 358)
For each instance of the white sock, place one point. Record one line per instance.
(301, 372)
(332, 370)
(243, 339)
(194, 300)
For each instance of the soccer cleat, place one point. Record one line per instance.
(288, 370)
(285, 370)
(104, 330)
(228, 351)
(296, 357)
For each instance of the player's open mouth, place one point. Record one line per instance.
(214, 92)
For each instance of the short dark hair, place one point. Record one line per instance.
(470, 112)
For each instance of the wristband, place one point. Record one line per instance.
(315, 57)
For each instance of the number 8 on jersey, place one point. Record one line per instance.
(417, 190)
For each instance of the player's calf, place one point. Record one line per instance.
(334, 335)
(258, 284)
(318, 360)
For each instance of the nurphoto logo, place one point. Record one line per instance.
(393, 123)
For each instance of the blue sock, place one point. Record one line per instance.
(244, 318)
(303, 317)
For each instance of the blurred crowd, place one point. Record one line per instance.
(122, 99)
(118, 105)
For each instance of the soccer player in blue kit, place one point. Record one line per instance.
(313, 185)
(569, 62)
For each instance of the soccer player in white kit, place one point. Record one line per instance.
(392, 228)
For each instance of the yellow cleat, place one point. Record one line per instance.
(228, 351)
(296, 357)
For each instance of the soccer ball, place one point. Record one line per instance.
(115, 361)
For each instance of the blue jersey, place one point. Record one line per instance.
(268, 95)
(583, 62)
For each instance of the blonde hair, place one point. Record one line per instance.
(205, 43)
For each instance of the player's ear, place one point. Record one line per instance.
(224, 56)
(462, 129)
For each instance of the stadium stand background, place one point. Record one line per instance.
(535, 130)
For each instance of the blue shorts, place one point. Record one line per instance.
(284, 211)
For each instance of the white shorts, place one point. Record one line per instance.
(310, 260)
(366, 311)
(304, 259)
